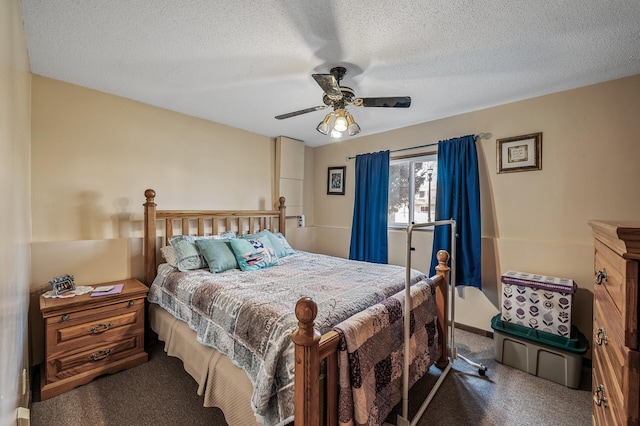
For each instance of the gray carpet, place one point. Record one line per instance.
(161, 393)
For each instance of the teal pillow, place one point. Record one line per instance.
(253, 254)
(269, 240)
(287, 247)
(218, 254)
(187, 253)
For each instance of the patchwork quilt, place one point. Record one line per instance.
(371, 349)
(249, 316)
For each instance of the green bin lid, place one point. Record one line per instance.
(576, 342)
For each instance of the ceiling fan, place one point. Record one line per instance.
(338, 97)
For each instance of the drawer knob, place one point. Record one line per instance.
(599, 397)
(601, 337)
(65, 317)
(100, 328)
(131, 303)
(97, 356)
(601, 275)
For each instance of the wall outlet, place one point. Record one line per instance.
(301, 220)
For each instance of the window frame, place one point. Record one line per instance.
(412, 159)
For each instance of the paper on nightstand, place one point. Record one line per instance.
(115, 290)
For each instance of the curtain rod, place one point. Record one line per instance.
(477, 137)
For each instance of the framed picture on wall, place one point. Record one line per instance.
(519, 153)
(335, 180)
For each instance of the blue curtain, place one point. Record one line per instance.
(458, 197)
(370, 208)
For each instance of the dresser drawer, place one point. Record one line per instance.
(95, 326)
(608, 336)
(87, 358)
(622, 287)
(607, 396)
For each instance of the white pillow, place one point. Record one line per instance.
(169, 254)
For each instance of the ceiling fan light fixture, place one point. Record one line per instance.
(340, 124)
(352, 126)
(323, 127)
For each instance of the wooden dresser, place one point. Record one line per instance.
(90, 336)
(616, 345)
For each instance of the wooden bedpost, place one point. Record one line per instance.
(282, 221)
(442, 302)
(307, 362)
(149, 237)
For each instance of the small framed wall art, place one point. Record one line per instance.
(335, 180)
(519, 153)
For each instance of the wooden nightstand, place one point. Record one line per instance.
(90, 336)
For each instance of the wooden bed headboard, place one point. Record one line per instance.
(241, 221)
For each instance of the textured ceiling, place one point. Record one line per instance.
(242, 62)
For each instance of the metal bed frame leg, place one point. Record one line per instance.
(453, 354)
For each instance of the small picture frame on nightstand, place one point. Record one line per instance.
(62, 284)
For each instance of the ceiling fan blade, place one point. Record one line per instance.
(390, 102)
(302, 111)
(329, 84)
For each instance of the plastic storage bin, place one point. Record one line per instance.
(542, 354)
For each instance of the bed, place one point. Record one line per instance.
(292, 373)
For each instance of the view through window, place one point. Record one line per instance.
(412, 190)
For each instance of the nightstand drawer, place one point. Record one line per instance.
(95, 328)
(91, 313)
(89, 358)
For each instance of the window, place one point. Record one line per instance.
(412, 190)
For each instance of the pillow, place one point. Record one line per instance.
(287, 247)
(218, 254)
(169, 254)
(228, 235)
(189, 258)
(253, 254)
(269, 240)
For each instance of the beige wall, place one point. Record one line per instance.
(531, 221)
(14, 210)
(94, 154)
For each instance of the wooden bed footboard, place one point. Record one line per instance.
(311, 348)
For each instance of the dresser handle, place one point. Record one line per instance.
(599, 397)
(131, 303)
(601, 337)
(100, 328)
(96, 356)
(601, 275)
(65, 317)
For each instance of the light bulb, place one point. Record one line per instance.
(341, 122)
(336, 134)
